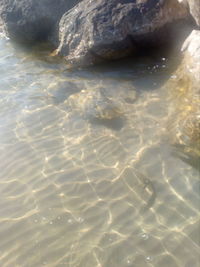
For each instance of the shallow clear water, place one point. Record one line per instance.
(88, 176)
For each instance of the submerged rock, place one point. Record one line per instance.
(104, 105)
(185, 95)
(94, 31)
(94, 104)
(30, 20)
(97, 108)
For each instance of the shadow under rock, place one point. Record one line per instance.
(155, 63)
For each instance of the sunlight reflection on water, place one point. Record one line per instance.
(87, 177)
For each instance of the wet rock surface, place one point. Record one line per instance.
(95, 31)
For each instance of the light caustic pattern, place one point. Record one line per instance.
(88, 177)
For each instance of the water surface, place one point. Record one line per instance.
(88, 175)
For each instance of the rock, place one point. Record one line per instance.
(185, 96)
(98, 108)
(191, 50)
(194, 7)
(104, 103)
(29, 20)
(94, 104)
(99, 30)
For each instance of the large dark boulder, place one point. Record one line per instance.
(99, 30)
(32, 20)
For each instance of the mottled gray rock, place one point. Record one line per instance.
(32, 20)
(99, 30)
